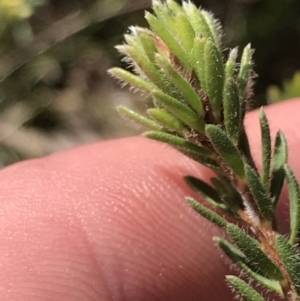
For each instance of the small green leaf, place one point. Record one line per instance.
(206, 191)
(245, 77)
(140, 52)
(158, 27)
(185, 88)
(214, 26)
(256, 258)
(231, 110)
(266, 148)
(132, 115)
(226, 149)
(243, 289)
(203, 23)
(165, 16)
(294, 196)
(261, 197)
(180, 110)
(231, 63)
(239, 259)
(279, 160)
(198, 62)
(185, 32)
(245, 69)
(177, 24)
(210, 215)
(291, 260)
(131, 79)
(145, 37)
(139, 57)
(214, 77)
(165, 119)
(231, 101)
(179, 143)
(230, 250)
(162, 12)
(174, 7)
(190, 149)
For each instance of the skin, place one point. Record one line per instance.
(109, 222)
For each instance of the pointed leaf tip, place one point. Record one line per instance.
(243, 289)
(294, 196)
(207, 213)
(138, 118)
(194, 151)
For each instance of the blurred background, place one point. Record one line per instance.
(54, 89)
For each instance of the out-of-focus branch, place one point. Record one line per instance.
(63, 29)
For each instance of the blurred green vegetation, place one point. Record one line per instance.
(54, 90)
(290, 89)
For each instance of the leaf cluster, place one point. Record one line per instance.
(200, 94)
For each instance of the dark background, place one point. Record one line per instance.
(54, 90)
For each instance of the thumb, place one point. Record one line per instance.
(109, 222)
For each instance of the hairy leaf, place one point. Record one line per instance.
(294, 196)
(214, 77)
(180, 110)
(291, 260)
(198, 61)
(226, 149)
(165, 119)
(240, 260)
(190, 149)
(231, 109)
(158, 27)
(145, 37)
(138, 55)
(179, 143)
(214, 26)
(266, 148)
(202, 22)
(185, 88)
(256, 258)
(210, 215)
(244, 76)
(185, 32)
(140, 119)
(261, 197)
(175, 7)
(131, 79)
(243, 289)
(176, 23)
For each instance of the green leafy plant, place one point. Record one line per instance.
(200, 94)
